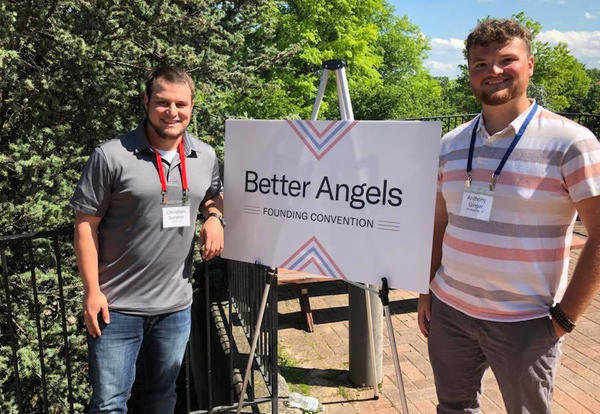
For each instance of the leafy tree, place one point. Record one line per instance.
(560, 76)
(591, 102)
(559, 79)
(458, 94)
(406, 90)
(384, 54)
(419, 96)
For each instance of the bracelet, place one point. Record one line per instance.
(563, 320)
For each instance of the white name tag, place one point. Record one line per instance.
(477, 204)
(176, 216)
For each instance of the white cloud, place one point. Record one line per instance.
(590, 16)
(585, 46)
(447, 44)
(440, 66)
(445, 56)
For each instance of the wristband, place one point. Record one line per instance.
(563, 320)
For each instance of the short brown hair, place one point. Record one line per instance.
(498, 31)
(170, 74)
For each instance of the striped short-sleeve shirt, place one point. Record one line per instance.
(514, 266)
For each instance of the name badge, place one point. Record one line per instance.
(477, 204)
(175, 217)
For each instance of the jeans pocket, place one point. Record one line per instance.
(551, 331)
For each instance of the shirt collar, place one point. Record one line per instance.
(512, 128)
(141, 140)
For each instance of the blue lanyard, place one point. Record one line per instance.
(510, 149)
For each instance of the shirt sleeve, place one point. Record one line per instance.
(93, 192)
(581, 168)
(216, 185)
(441, 163)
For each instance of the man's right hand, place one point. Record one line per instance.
(93, 304)
(424, 313)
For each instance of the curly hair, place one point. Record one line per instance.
(171, 74)
(498, 31)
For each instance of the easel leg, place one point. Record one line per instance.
(259, 321)
(384, 294)
(372, 344)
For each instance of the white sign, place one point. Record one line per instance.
(347, 199)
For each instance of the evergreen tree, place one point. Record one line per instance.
(72, 74)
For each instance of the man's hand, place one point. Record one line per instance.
(558, 330)
(211, 238)
(93, 304)
(424, 313)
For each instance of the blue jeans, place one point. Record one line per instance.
(160, 341)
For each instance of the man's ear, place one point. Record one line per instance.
(145, 102)
(531, 65)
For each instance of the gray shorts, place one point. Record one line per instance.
(523, 356)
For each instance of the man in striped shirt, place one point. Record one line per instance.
(511, 183)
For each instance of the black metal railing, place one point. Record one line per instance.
(246, 284)
(590, 121)
(449, 122)
(39, 333)
(43, 352)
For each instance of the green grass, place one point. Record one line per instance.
(303, 389)
(296, 377)
(344, 392)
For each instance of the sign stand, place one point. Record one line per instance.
(346, 113)
(385, 300)
(339, 68)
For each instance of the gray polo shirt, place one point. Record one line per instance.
(143, 268)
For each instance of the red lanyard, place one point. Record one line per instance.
(183, 171)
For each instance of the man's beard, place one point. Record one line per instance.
(500, 97)
(161, 132)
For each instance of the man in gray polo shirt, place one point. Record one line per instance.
(136, 204)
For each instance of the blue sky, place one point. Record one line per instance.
(447, 24)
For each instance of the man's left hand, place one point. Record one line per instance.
(558, 330)
(211, 238)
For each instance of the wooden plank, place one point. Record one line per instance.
(578, 241)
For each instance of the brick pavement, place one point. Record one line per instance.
(320, 359)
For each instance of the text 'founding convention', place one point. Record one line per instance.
(318, 217)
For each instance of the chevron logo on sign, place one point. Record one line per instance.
(320, 142)
(313, 255)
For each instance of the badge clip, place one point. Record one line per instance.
(493, 182)
(468, 181)
(186, 196)
(164, 197)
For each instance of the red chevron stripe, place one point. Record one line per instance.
(316, 131)
(313, 261)
(297, 252)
